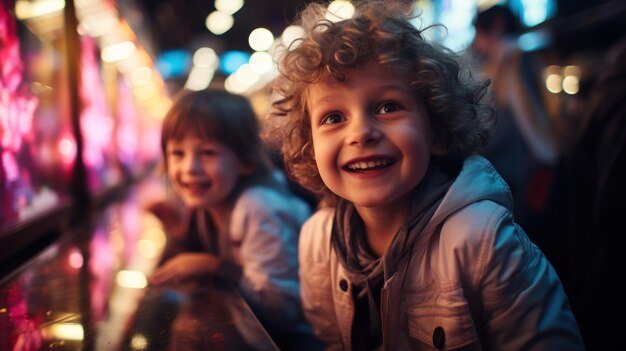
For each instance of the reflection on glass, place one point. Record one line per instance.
(131, 279)
(33, 175)
(96, 122)
(66, 331)
(85, 288)
(43, 307)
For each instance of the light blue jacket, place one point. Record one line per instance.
(474, 280)
(264, 228)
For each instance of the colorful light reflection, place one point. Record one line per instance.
(95, 121)
(17, 109)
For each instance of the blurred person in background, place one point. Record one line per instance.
(586, 222)
(523, 147)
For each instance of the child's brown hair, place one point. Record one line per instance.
(381, 33)
(219, 115)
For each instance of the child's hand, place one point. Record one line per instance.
(184, 266)
(172, 217)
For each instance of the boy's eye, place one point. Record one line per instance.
(332, 118)
(388, 107)
(207, 152)
(176, 153)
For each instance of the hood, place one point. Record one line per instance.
(477, 181)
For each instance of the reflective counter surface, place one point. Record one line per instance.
(88, 291)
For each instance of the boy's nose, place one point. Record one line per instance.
(193, 164)
(363, 130)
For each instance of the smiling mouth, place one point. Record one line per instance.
(196, 186)
(368, 166)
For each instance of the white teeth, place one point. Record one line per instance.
(195, 186)
(362, 165)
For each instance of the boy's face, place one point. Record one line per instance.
(203, 171)
(372, 137)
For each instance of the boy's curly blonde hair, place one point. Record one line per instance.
(381, 33)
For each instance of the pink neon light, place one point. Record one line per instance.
(95, 120)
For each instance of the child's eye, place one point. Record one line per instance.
(388, 107)
(207, 152)
(176, 153)
(332, 118)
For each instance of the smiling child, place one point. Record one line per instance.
(417, 247)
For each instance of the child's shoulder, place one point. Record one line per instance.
(315, 235)
(261, 198)
(319, 226)
(323, 217)
(476, 208)
(268, 209)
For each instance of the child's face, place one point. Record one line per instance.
(203, 171)
(372, 137)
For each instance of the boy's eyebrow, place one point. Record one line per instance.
(323, 98)
(398, 86)
(394, 86)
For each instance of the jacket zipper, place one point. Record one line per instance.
(383, 316)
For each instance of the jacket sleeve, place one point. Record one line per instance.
(524, 304)
(266, 231)
(315, 278)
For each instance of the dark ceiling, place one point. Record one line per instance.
(179, 24)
